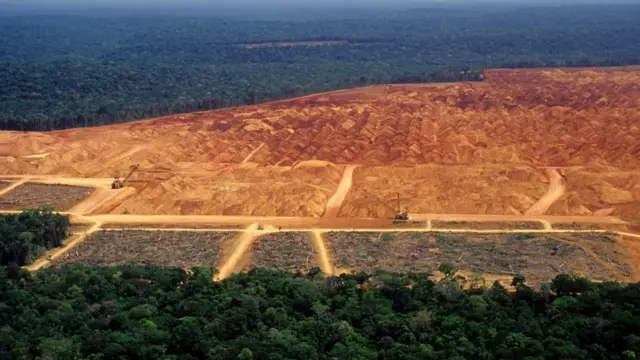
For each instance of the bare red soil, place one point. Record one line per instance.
(481, 146)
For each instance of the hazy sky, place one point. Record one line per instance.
(272, 4)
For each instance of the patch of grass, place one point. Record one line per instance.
(387, 237)
(521, 237)
(605, 238)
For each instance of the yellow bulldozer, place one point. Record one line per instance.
(119, 184)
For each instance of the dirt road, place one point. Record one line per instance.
(627, 234)
(243, 243)
(74, 241)
(319, 223)
(12, 186)
(323, 256)
(556, 190)
(335, 202)
(62, 180)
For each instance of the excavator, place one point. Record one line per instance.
(118, 184)
(401, 216)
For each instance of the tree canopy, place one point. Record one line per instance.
(131, 312)
(72, 71)
(25, 236)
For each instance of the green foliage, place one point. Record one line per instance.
(447, 269)
(276, 315)
(387, 237)
(518, 280)
(60, 72)
(522, 236)
(245, 354)
(25, 236)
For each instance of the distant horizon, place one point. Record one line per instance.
(115, 4)
(272, 10)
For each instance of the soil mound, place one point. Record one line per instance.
(514, 123)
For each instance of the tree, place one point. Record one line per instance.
(448, 270)
(245, 354)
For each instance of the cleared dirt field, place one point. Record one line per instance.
(522, 225)
(428, 189)
(600, 191)
(290, 251)
(474, 148)
(183, 249)
(228, 190)
(4, 184)
(32, 195)
(538, 257)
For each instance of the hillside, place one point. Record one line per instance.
(474, 148)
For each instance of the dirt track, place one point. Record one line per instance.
(555, 192)
(242, 244)
(323, 255)
(335, 202)
(68, 245)
(11, 187)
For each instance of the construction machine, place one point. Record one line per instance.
(118, 184)
(401, 216)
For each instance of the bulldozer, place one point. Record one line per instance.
(401, 216)
(119, 184)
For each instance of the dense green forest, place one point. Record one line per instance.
(69, 71)
(25, 236)
(79, 312)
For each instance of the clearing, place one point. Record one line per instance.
(493, 142)
(289, 251)
(491, 189)
(182, 249)
(537, 256)
(33, 195)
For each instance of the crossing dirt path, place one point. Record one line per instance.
(242, 244)
(319, 223)
(12, 186)
(81, 214)
(335, 202)
(556, 190)
(54, 254)
(323, 256)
